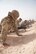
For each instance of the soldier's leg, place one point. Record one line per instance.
(4, 34)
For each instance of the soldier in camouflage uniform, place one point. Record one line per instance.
(7, 22)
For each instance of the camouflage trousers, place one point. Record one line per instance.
(4, 31)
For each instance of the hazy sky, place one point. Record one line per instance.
(26, 8)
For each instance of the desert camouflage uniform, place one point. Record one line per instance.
(17, 25)
(7, 22)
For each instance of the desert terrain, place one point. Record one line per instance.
(25, 44)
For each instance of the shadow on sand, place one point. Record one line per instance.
(14, 41)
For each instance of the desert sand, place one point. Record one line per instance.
(25, 44)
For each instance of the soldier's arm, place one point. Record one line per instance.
(16, 29)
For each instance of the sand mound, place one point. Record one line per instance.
(25, 44)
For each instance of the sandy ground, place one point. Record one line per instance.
(25, 44)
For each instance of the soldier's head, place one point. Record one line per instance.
(14, 14)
